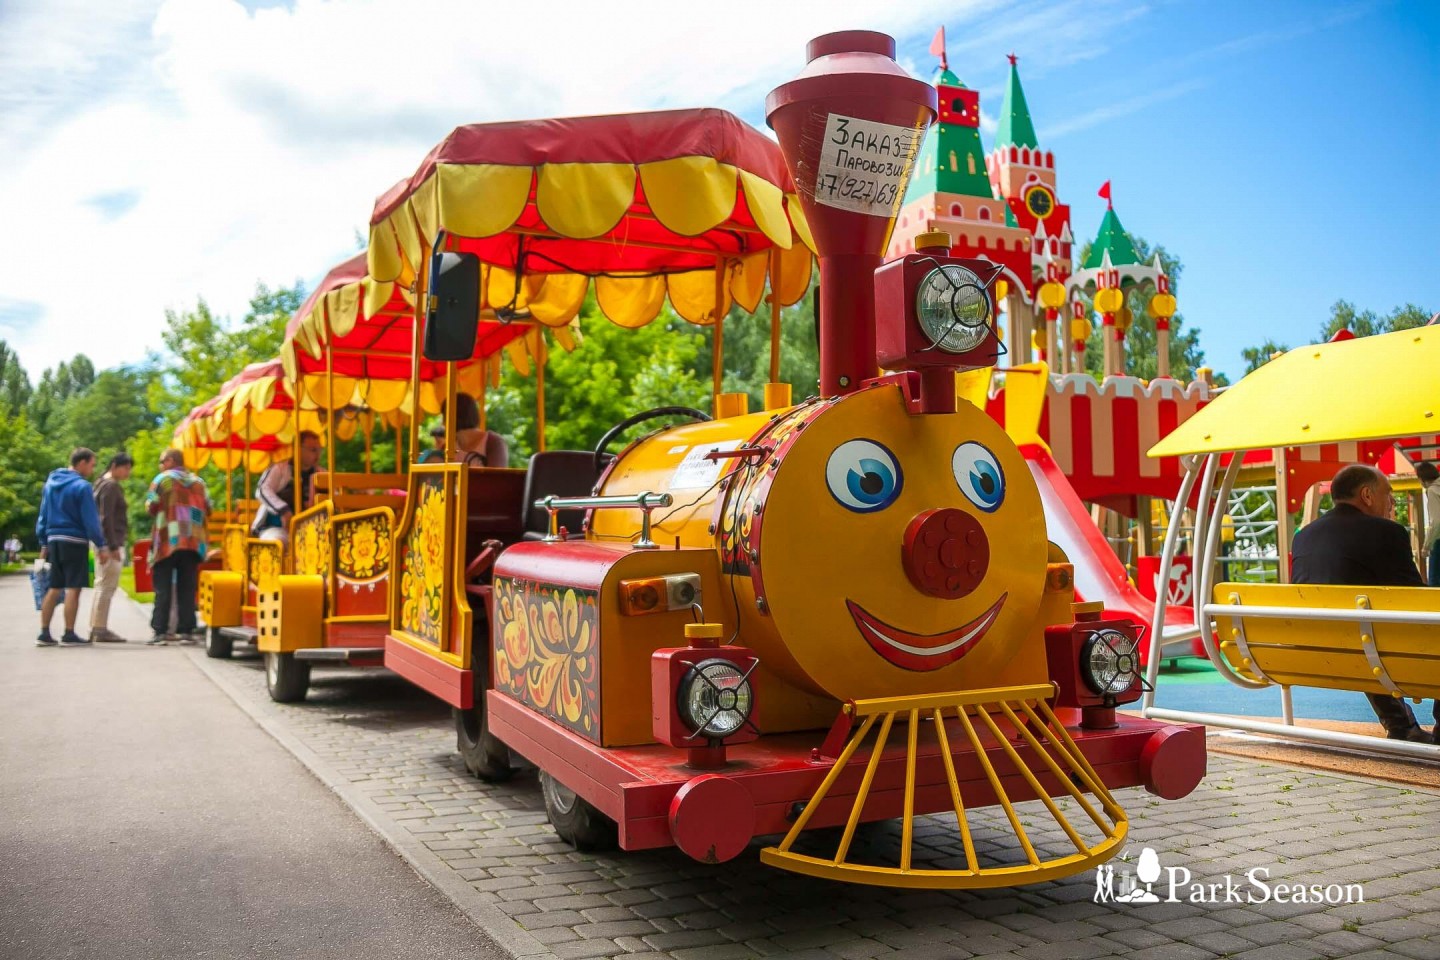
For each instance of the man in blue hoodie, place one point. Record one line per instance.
(68, 524)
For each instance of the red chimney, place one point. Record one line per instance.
(850, 126)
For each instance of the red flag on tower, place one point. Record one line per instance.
(937, 47)
(1105, 194)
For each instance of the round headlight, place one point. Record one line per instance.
(952, 309)
(1109, 662)
(715, 698)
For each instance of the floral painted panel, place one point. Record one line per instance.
(312, 547)
(547, 651)
(266, 563)
(232, 548)
(362, 548)
(422, 563)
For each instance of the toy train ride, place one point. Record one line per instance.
(844, 611)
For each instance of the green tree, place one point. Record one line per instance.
(612, 374)
(105, 416)
(26, 459)
(1256, 357)
(15, 389)
(1345, 316)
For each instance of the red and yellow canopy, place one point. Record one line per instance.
(359, 334)
(644, 205)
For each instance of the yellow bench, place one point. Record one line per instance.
(1383, 640)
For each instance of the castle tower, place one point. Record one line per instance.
(1024, 176)
(1111, 270)
(951, 190)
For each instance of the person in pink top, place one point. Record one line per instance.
(180, 505)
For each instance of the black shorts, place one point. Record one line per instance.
(69, 564)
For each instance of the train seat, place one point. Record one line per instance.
(1368, 639)
(558, 473)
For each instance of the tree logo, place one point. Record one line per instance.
(1128, 888)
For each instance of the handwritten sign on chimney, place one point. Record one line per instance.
(865, 165)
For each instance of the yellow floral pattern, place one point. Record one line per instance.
(422, 563)
(232, 549)
(547, 652)
(265, 564)
(312, 544)
(363, 547)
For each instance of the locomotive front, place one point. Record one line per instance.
(888, 632)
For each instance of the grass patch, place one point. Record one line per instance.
(127, 583)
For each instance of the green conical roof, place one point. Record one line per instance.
(1015, 126)
(1112, 237)
(951, 160)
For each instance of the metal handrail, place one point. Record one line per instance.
(645, 502)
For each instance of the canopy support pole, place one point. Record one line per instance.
(775, 315)
(330, 405)
(369, 429)
(399, 446)
(717, 372)
(229, 501)
(451, 453)
(541, 356)
(422, 300)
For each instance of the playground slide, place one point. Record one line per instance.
(1099, 574)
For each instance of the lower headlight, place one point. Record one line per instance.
(1110, 662)
(715, 698)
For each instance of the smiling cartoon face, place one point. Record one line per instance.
(901, 553)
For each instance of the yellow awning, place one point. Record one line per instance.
(1369, 388)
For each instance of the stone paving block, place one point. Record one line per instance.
(1302, 825)
(1343, 943)
(1088, 948)
(1423, 948)
(719, 951)
(681, 939)
(1279, 951)
(1401, 928)
(586, 949)
(614, 928)
(1171, 951)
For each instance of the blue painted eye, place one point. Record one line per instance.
(863, 476)
(979, 475)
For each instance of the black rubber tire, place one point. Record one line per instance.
(575, 820)
(287, 679)
(484, 755)
(217, 645)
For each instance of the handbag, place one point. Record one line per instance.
(40, 581)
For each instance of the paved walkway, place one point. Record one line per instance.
(143, 816)
(387, 750)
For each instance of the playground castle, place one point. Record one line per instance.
(1004, 206)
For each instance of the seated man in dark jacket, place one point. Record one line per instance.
(1358, 544)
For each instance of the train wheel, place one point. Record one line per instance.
(576, 821)
(286, 678)
(484, 755)
(218, 646)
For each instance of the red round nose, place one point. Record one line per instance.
(946, 552)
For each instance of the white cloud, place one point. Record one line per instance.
(162, 152)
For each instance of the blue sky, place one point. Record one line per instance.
(1289, 153)
(153, 152)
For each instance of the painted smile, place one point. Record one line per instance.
(914, 651)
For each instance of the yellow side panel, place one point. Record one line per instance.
(1330, 654)
(291, 616)
(220, 597)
